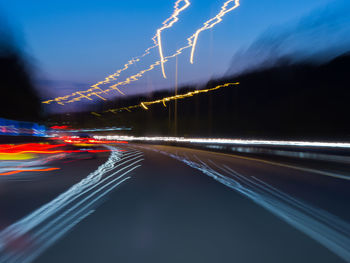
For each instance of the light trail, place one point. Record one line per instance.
(16, 157)
(20, 149)
(51, 221)
(325, 228)
(192, 41)
(167, 24)
(96, 130)
(14, 147)
(19, 152)
(31, 170)
(35, 151)
(28, 162)
(138, 75)
(212, 22)
(228, 141)
(95, 89)
(145, 104)
(21, 128)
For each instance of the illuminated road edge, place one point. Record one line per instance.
(43, 227)
(325, 228)
(227, 141)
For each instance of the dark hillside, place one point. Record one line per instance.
(286, 101)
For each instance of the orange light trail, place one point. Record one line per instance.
(95, 89)
(192, 42)
(30, 170)
(145, 104)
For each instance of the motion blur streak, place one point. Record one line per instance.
(21, 128)
(25, 151)
(212, 22)
(16, 157)
(144, 104)
(31, 170)
(18, 163)
(50, 222)
(17, 151)
(167, 24)
(12, 148)
(227, 141)
(192, 41)
(96, 90)
(84, 141)
(207, 25)
(325, 228)
(97, 129)
(24, 225)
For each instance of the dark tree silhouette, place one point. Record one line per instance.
(286, 101)
(19, 100)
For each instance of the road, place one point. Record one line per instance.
(169, 204)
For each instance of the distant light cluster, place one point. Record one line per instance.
(21, 128)
(96, 90)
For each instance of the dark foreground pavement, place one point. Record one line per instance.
(185, 205)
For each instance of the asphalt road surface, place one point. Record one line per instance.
(170, 204)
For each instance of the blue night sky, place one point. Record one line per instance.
(73, 44)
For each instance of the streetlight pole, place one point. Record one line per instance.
(176, 86)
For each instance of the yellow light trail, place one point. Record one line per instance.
(16, 157)
(192, 41)
(212, 22)
(145, 104)
(168, 23)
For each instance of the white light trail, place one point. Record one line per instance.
(327, 229)
(51, 221)
(228, 141)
